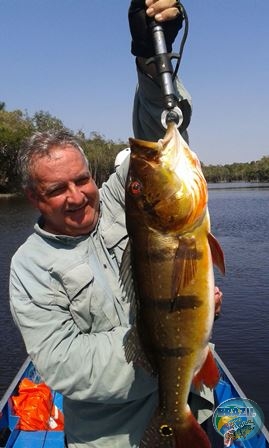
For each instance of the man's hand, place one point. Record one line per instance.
(218, 302)
(140, 12)
(162, 10)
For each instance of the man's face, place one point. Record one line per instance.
(65, 192)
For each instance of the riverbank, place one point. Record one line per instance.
(236, 185)
(9, 195)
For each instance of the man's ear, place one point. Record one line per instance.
(32, 197)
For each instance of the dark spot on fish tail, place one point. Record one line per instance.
(166, 430)
(175, 352)
(172, 305)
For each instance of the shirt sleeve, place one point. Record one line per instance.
(148, 107)
(82, 366)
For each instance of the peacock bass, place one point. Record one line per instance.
(172, 254)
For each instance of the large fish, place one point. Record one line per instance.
(172, 252)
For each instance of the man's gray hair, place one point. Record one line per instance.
(39, 145)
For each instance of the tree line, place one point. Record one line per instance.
(255, 171)
(16, 126)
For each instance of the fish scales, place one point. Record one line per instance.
(168, 225)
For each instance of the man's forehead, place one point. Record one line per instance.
(60, 159)
(57, 151)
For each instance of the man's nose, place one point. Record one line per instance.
(74, 195)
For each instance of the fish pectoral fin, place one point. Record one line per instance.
(208, 374)
(217, 253)
(185, 265)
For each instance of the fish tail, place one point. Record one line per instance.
(208, 374)
(162, 433)
(192, 435)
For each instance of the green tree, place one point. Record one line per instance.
(44, 121)
(263, 169)
(101, 154)
(14, 128)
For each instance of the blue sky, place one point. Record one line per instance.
(72, 58)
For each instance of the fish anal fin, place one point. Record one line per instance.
(217, 253)
(192, 435)
(185, 265)
(208, 374)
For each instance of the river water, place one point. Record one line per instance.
(240, 222)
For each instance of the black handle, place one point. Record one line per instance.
(164, 68)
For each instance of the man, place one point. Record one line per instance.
(67, 295)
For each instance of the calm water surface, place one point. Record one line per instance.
(240, 221)
(16, 223)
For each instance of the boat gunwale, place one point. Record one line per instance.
(222, 366)
(14, 383)
(238, 389)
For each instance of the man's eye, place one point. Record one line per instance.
(56, 191)
(83, 180)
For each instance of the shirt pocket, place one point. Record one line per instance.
(91, 305)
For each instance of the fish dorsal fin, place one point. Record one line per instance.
(185, 265)
(216, 252)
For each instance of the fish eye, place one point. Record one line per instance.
(135, 188)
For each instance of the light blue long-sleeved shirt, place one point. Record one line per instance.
(72, 306)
